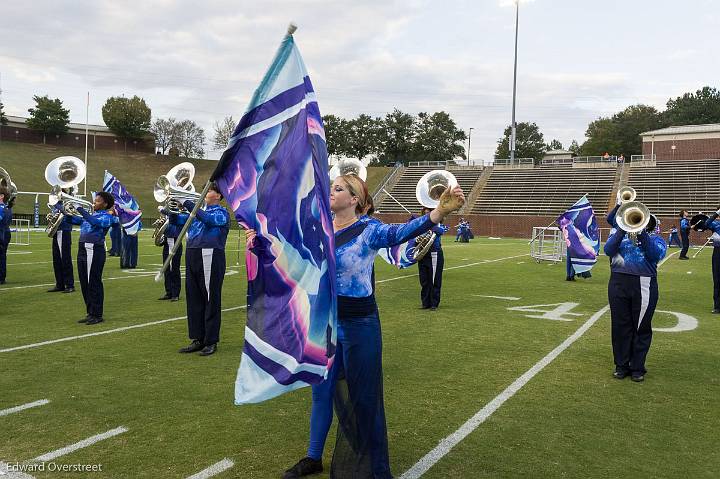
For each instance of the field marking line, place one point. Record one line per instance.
(80, 445)
(453, 267)
(508, 298)
(22, 407)
(25, 264)
(18, 252)
(142, 325)
(667, 258)
(107, 331)
(213, 470)
(446, 444)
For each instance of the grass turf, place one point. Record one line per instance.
(571, 420)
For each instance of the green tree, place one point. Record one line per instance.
(335, 134)
(48, 116)
(437, 137)
(554, 145)
(3, 118)
(697, 108)
(621, 133)
(128, 118)
(362, 135)
(529, 142)
(397, 134)
(189, 139)
(574, 148)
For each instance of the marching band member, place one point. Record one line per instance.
(430, 269)
(205, 271)
(62, 254)
(633, 295)
(172, 274)
(91, 254)
(713, 225)
(684, 234)
(5, 218)
(358, 357)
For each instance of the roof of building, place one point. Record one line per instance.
(71, 126)
(558, 152)
(684, 130)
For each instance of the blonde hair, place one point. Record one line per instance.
(357, 188)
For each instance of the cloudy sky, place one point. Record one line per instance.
(577, 60)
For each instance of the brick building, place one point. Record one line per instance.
(99, 137)
(685, 142)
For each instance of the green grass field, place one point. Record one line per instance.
(137, 171)
(571, 419)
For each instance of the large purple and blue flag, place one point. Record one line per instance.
(274, 176)
(129, 212)
(580, 230)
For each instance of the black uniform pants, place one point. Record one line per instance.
(632, 304)
(4, 242)
(204, 275)
(685, 238)
(129, 251)
(62, 260)
(172, 274)
(430, 269)
(90, 262)
(716, 277)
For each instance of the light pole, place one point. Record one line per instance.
(469, 135)
(512, 125)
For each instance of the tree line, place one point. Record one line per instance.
(619, 133)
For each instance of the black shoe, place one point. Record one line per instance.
(433, 308)
(69, 290)
(683, 257)
(572, 278)
(55, 290)
(2, 282)
(638, 378)
(94, 320)
(173, 299)
(163, 298)
(304, 467)
(85, 319)
(208, 350)
(716, 311)
(193, 347)
(620, 374)
(424, 307)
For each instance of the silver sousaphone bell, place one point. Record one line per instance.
(625, 194)
(348, 166)
(633, 217)
(428, 192)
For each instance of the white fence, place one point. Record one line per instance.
(20, 230)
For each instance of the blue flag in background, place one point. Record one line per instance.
(274, 176)
(580, 230)
(129, 211)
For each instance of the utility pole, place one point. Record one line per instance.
(513, 125)
(468, 152)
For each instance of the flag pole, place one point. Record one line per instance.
(87, 122)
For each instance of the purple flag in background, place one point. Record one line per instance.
(129, 212)
(580, 231)
(274, 176)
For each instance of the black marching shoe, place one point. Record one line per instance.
(620, 374)
(208, 350)
(194, 346)
(638, 378)
(55, 290)
(85, 319)
(304, 467)
(683, 257)
(716, 311)
(163, 298)
(69, 290)
(94, 320)
(175, 298)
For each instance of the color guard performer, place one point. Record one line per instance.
(91, 254)
(205, 272)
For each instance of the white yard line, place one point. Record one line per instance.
(79, 445)
(667, 258)
(453, 267)
(446, 444)
(101, 333)
(214, 470)
(508, 298)
(22, 407)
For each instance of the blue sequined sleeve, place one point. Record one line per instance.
(653, 246)
(2, 212)
(611, 216)
(215, 217)
(713, 225)
(612, 246)
(76, 220)
(385, 236)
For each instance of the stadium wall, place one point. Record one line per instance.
(688, 149)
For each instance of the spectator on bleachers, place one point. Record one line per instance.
(684, 234)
